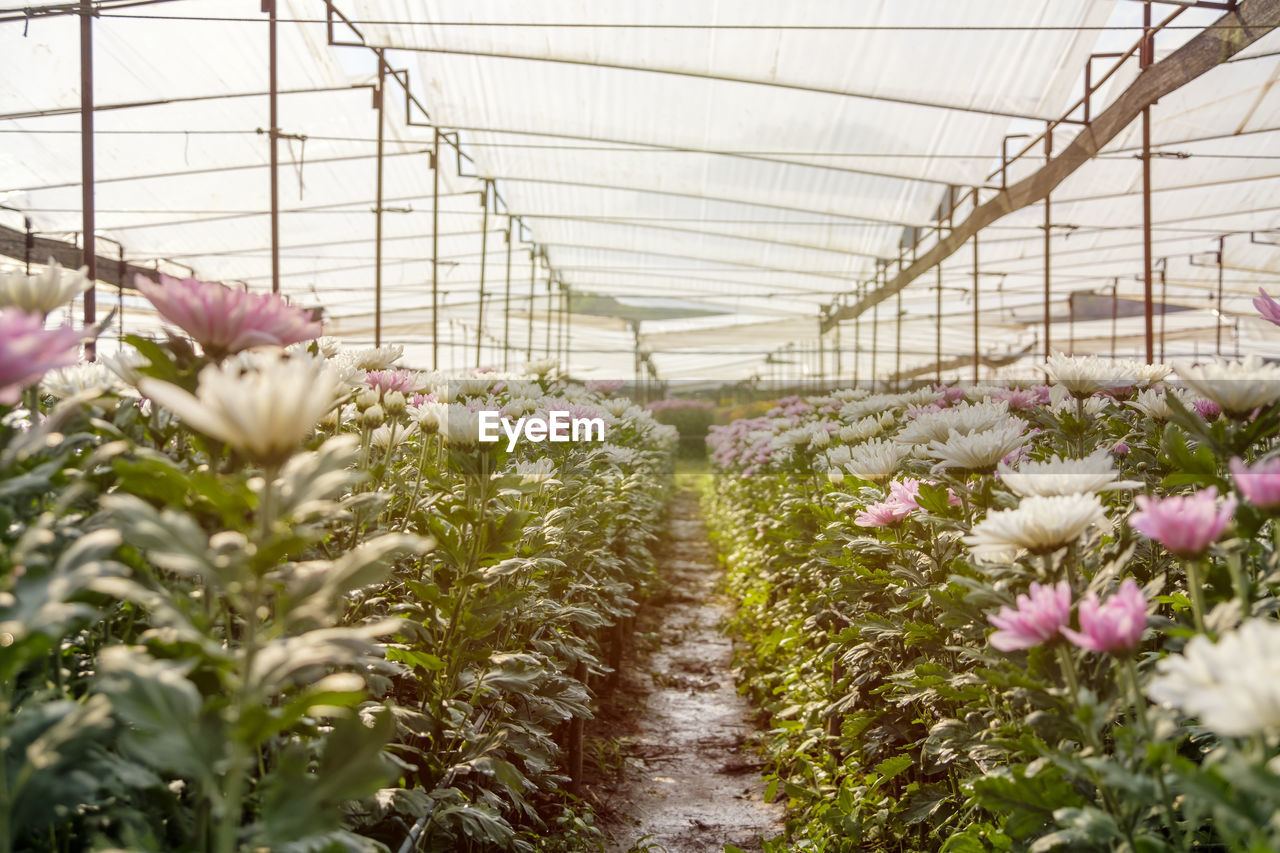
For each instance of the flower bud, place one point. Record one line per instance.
(372, 417)
(835, 476)
(366, 399)
(394, 403)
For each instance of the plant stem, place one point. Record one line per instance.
(1069, 672)
(1130, 670)
(1197, 593)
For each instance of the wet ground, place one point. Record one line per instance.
(673, 770)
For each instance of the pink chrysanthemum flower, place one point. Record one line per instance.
(1207, 409)
(881, 514)
(1184, 524)
(1038, 618)
(1259, 483)
(1115, 626)
(604, 386)
(226, 321)
(28, 350)
(1267, 307)
(385, 381)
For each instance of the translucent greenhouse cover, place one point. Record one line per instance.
(753, 161)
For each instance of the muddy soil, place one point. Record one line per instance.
(672, 767)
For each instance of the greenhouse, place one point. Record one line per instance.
(563, 426)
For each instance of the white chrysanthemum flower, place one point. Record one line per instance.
(1153, 403)
(124, 364)
(876, 460)
(470, 386)
(376, 358)
(979, 451)
(541, 367)
(1086, 375)
(1232, 686)
(537, 472)
(1062, 403)
(868, 427)
(849, 395)
(1146, 374)
(964, 418)
(624, 457)
(1057, 476)
(67, 382)
(384, 438)
(428, 415)
(876, 404)
(44, 292)
(619, 407)
(264, 413)
(1238, 387)
(839, 456)
(328, 346)
(517, 407)
(1039, 525)
(459, 426)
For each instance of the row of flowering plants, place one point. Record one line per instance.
(261, 592)
(1025, 617)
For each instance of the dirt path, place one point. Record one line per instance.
(687, 783)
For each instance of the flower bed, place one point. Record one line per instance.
(283, 598)
(1119, 536)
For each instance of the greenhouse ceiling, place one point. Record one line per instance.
(736, 190)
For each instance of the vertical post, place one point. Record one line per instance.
(533, 272)
(377, 231)
(121, 271)
(1048, 155)
(568, 325)
(546, 350)
(937, 332)
(86, 172)
(822, 355)
(875, 329)
(506, 308)
(857, 339)
(976, 352)
(273, 138)
(1164, 305)
(839, 359)
(484, 256)
(435, 253)
(1071, 325)
(28, 243)
(1218, 331)
(1144, 60)
(897, 345)
(1115, 310)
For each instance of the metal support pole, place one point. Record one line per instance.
(273, 138)
(533, 272)
(875, 329)
(822, 355)
(121, 271)
(897, 345)
(484, 256)
(1048, 155)
(86, 172)
(546, 350)
(937, 332)
(1071, 325)
(976, 353)
(1115, 311)
(857, 340)
(435, 252)
(506, 308)
(1164, 305)
(839, 359)
(377, 239)
(1218, 330)
(29, 242)
(1144, 60)
(568, 325)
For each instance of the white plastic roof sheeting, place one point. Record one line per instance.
(757, 157)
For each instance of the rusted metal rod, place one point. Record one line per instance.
(506, 308)
(1144, 61)
(435, 252)
(1048, 155)
(484, 257)
(377, 239)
